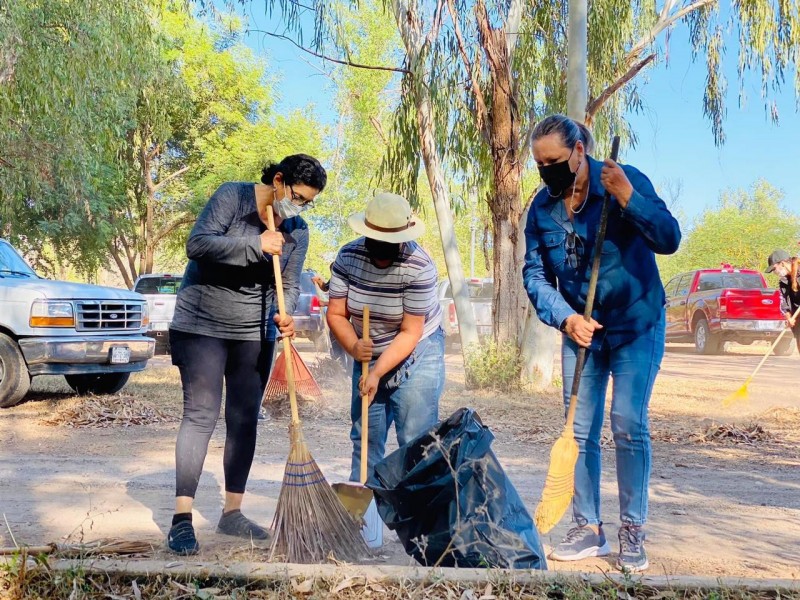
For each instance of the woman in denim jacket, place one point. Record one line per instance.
(625, 338)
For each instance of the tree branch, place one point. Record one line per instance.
(165, 180)
(379, 128)
(664, 22)
(120, 265)
(512, 27)
(131, 257)
(437, 22)
(480, 101)
(184, 219)
(632, 61)
(328, 58)
(595, 104)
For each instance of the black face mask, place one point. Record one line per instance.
(558, 176)
(381, 250)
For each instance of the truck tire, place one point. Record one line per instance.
(15, 381)
(785, 347)
(706, 342)
(103, 383)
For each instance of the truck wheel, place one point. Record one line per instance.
(15, 381)
(785, 347)
(104, 383)
(705, 342)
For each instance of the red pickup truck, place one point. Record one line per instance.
(712, 306)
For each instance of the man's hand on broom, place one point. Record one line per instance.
(790, 319)
(362, 350)
(285, 326)
(369, 385)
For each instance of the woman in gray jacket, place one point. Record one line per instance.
(220, 331)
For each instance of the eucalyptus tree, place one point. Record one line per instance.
(478, 74)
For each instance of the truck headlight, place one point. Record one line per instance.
(145, 314)
(49, 313)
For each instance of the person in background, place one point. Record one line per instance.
(389, 272)
(787, 268)
(625, 337)
(337, 352)
(220, 334)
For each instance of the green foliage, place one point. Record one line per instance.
(68, 84)
(493, 366)
(742, 230)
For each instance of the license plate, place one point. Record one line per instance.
(160, 326)
(120, 355)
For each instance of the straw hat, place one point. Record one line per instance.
(387, 218)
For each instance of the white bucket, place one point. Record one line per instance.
(372, 530)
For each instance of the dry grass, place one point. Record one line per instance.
(752, 434)
(123, 410)
(31, 581)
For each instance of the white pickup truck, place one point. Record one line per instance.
(480, 298)
(160, 290)
(92, 335)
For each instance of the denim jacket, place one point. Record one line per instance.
(630, 297)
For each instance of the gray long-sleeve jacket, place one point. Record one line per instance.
(228, 290)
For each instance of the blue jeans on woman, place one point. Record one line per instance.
(407, 396)
(633, 367)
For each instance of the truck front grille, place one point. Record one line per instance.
(109, 316)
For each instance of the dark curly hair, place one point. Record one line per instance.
(297, 168)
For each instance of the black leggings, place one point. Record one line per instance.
(204, 362)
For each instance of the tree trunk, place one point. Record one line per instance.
(115, 254)
(410, 27)
(538, 342)
(468, 332)
(509, 302)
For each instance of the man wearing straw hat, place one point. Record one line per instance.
(390, 273)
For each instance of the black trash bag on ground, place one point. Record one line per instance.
(486, 526)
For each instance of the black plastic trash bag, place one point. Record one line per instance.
(486, 525)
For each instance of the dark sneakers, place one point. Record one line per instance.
(181, 539)
(581, 542)
(235, 523)
(632, 556)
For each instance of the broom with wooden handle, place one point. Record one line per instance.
(559, 486)
(741, 394)
(356, 498)
(310, 523)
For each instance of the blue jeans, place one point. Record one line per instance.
(408, 396)
(634, 367)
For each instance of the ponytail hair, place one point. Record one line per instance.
(297, 168)
(794, 272)
(569, 130)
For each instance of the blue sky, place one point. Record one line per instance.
(675, 141)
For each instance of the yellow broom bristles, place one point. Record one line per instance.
(740, 395)
(560, 484)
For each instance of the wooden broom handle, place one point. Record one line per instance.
(772, 347)
(364, 403)
(287, 343)
(587, 311)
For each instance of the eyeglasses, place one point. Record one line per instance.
(300, 200)
(574, 246)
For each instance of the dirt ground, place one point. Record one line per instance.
(717, 506)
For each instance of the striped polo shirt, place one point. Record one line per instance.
(407, 286)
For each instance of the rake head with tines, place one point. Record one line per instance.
(278, 386)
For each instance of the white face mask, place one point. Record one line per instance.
(285, 208)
